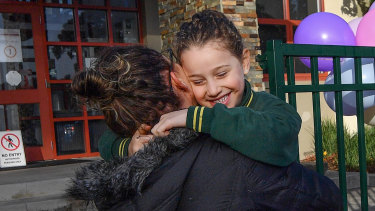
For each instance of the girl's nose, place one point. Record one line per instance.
(212, 89)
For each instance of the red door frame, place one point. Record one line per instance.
(39, 95)
(43, 94)
(79, 44)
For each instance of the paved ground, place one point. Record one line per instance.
(354, 199)
(41, 186)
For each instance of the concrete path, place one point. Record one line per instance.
(353, 189)
(354, 199)
(41, 186)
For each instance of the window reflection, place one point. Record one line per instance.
(124, 3)
(24, 117)
(69, 137)
(271, 32)
(92, 2)
(93, 25)
(17, 62)
(60, 24)
(59, 1)
(270, 9)
(300, 9)
(89, 55)
(63, 102)
(94, 111)
(125, 27)
(62, 62)
(25, 0)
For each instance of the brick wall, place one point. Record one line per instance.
(242, 12)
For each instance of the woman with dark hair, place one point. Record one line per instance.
(185, 170)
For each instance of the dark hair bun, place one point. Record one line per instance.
(90, 86)
(129, 85)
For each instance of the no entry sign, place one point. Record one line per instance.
(10, 142)
(11, 149)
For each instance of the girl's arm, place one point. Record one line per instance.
(113, 146)
(266, 131)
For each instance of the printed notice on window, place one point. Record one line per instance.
(10, 45)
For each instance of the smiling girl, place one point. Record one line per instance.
(257, 124)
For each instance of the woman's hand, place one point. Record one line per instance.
(169, 121)
(140, 138)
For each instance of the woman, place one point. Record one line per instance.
(184, 170)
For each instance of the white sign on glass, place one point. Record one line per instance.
(10, 45)
(13, 78)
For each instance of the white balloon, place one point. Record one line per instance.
(369, 116)
(354, 24)
(348, 77)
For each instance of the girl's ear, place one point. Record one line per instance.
(246, 61)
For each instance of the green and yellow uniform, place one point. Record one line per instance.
(111, 145)
(263, 127)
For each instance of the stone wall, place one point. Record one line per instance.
(242, 12)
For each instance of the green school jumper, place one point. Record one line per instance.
(111, 145)
(263, 128)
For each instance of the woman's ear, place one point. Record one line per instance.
(246, 61)
(178, 83)
(181, 87)
(179, 78)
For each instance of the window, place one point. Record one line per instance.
(278, 20)
(24, 117)
(93, 25)
(76, 32)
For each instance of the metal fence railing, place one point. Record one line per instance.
(279, 60)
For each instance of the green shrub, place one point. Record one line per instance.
(329, 137)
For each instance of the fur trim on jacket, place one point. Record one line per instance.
(107, 183)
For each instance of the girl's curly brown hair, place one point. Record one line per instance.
(130, 85)
(206, 26)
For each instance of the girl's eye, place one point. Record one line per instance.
(197, 82)
(221, 74)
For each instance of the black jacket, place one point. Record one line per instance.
(185, 171)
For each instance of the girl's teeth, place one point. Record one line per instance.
(221, 100)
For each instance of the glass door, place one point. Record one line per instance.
(24, 99)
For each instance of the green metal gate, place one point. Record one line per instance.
(279, 60)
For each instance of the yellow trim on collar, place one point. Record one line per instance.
(251, 98)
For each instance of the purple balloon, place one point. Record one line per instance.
(323, 28)
(372, 6)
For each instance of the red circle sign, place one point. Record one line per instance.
(10, 51)
(10, 142)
